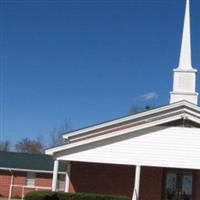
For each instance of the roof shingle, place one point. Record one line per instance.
(28, 161)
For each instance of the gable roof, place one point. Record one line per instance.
(177, 111)
(133, 117)
(28, 162)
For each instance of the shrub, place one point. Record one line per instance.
(70, 196)
(17, 197)
(36, 195)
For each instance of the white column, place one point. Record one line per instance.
(11, 185)
(55, 175)
(67, 177)
(137, 183)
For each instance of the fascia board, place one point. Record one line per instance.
(142, 121)
(112, 134)
(185, 110)
(113, 122)
(191, 112)
(193, 118)
(28, 170)
(132, 117)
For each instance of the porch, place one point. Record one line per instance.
(149, 183)
(152, 151)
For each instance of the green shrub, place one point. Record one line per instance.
(36, 195)
(17, 197)
(71, 196)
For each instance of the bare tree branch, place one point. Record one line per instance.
(30, 146)
(5, 145)
(56, 138)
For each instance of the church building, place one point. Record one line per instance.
(152, 155)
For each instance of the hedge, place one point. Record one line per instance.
(71, 196)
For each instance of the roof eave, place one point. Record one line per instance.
(183, 115)
(131, 117)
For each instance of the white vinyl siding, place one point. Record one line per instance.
(30, 179)
(171, 147)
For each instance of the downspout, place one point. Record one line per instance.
(11, 185)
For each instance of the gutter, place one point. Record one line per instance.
(30, 170)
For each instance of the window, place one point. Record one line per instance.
(178, 185)
(30, 179)
(61, 182)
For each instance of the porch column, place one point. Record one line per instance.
(67, 177)
(55, 175)
(137, 183)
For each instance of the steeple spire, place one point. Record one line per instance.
(185, 62)
(184, 83)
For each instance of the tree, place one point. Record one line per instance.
(56, 138)
(27, 145)
(5, 145)
(137, 109)
(134, 109)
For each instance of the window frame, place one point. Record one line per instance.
(30, 179)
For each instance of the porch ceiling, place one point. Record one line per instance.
(170, 147)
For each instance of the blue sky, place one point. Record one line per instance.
(86, 61)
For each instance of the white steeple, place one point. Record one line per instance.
(184, 83)
(185, 61)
